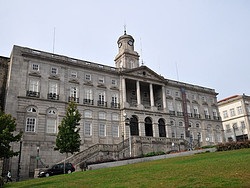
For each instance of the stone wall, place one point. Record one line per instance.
(3, 77)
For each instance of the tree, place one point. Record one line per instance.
(7, 127)
(68, 138)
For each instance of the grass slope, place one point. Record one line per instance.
(219, 169)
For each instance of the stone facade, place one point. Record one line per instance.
(235, 112)
(3, 78)
(161, 114)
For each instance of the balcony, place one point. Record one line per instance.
(197, 116)
(171, 112)
(88, 101)
(102, 103)
(73, 99)
(207, 117)
(180, 114)
(190, 115)
(33, 94)
(115, 105)
(216, 118)
(53, 96)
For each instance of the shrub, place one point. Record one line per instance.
(233, 145)
(1, 181)
(205, 147)
(153, 154)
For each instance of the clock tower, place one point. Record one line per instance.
(127, 58)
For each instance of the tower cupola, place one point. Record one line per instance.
(127, 58)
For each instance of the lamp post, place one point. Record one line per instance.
(127, 122)
(242, 130)
(37, 158)
(191, 140)
(19, 160)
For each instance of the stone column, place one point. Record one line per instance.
(155, 129)
(124, 90)
(164, 98)
(138, 93)
(151, 95)
(141, 126)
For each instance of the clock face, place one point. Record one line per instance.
(120, 44)
(130, 42)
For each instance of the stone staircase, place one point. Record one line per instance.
(140, 145)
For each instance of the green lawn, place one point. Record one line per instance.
(218, 169)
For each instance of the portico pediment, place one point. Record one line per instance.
(144, 73)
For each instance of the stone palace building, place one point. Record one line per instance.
(115, 102)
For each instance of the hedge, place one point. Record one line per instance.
(233, 145)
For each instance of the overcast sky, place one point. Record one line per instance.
(207, 41)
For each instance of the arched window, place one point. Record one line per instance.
(88, 114)
(31, 119)
(51, 126)
(162, 129)
(134, 126)
(148, 127)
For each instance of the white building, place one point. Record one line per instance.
(163, 114)
(235, 113)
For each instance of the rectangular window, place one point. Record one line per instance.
(239, 108)
(53, 70)
(102, 115)
(173, 135)
(193, 96)
(74, 92)
(114, 82)
(179, 107)
(196, 110)
(101, 80)
(115, 131)
(225, 114)
(88, 114)
(35, 67)
(177, 94)
(88, 94)
(30, 124)
(34, 85)
(214, 112)
(170, 105)
(88, 77)
(87, 129)
(53, 87)
(182, 135)
(73, 74)
(168, 92)
(51, 125)
(115, 117)
(243, 126)
(232, 112)
(102, 96)
(206, 111)
(203, 99)
(102, 130)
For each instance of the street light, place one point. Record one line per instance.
(127, 122)
(123, 146)
(19, 160)
(191, 140)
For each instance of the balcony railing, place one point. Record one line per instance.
(102, 103)
(180, 114)
(216, 117)
(73, 99)
(197, 116)
(88, 101)
(190, 115)
(53, 96)
(207, 117)
(171, 112)
(115, 105)
(33, 94)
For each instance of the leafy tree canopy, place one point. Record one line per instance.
(68, 138)
(7, 128)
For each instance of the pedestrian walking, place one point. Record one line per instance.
(9, 177)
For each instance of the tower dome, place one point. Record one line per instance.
(127, 57)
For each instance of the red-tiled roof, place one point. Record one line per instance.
(228, 98)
